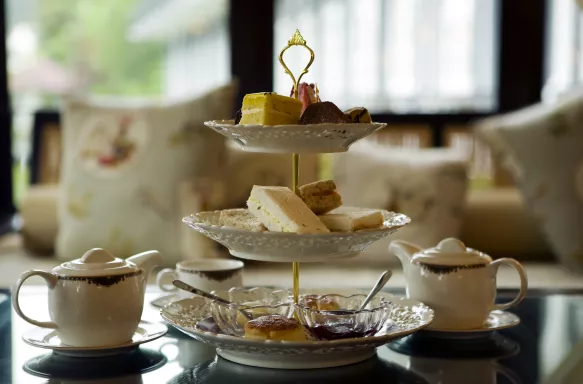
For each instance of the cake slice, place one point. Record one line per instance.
(241, 218)
(275, 327)
(321, 196)
(281, 210)
(352, 221)
(269, 108)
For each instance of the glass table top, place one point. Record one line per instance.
(546, 347)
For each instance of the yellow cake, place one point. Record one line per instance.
(275, 327)
(269, 108)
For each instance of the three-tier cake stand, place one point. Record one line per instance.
(407, 316)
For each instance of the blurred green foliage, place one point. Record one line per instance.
(90, 35)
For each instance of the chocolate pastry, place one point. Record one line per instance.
(358, 115)
(323, 112)
(238, 116)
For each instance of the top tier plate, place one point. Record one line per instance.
(309, 138)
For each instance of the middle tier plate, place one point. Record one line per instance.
(310, 138)
(290, 247)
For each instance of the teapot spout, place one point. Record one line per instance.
(147, 261)
(403, 250)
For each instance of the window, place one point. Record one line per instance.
(402, 56)
(121, 48)
(564, 54)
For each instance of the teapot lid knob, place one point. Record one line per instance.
(452, 245)
(97, 255)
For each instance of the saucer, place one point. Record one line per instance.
(497, 320)
(128, 366)
(162, 301)
(49, 339)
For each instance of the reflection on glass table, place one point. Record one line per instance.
(546, 347)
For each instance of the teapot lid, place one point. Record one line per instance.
(451, 252)
(96, 262)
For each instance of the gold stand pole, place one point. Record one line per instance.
(296, 40)
(296, 265)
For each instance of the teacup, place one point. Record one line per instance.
(207, 275)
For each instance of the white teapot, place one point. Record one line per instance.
(458, 283)
(96, 300)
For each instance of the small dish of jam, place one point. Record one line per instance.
(333, 317)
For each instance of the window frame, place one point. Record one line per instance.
(521, 61)
(7, 208)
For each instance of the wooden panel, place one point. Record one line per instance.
(404, 135)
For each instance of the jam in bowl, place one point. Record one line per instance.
(333, 317)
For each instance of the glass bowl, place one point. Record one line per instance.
(333, 317)
(256, 302)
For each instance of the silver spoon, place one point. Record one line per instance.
(378, 286)
(189, 288)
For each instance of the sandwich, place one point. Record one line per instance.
(240, 218)
(281, 210)
(353, 221)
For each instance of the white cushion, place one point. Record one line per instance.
(125, 169)
(428, 185)
(542, 146)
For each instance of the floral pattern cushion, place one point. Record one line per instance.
(428, 185)
(542, 146)
(129, 173)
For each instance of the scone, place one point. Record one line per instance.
(274, 327)
(328, 304)
(321, 196)
(241, 218)
(322, 304)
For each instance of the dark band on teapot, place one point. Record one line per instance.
(446, 269)
(101, 281)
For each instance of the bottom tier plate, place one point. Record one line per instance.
(408, 316)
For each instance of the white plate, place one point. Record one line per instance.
(49, 339)
(310, 138)
(497, 320)
(407, 317)
(290, 247)
(161, 301)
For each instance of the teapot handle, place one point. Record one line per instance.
(523, 281)
(51, 281)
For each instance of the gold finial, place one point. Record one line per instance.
(298, 40)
